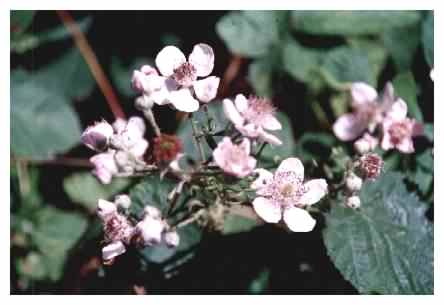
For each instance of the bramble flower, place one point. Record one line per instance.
(367, 111)
(370, 166)
(104, 166)
(252, 117)
(129, 136)
(284, 195)
(234, 159)
(96, 137)
(398, 130)
(365, 144)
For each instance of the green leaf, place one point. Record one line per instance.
(405, 87)
(260, 75)
(344, 65)
(314, 145)
(236, 224)
(427, 38)
(260, 283)
(84, 189)
(250, 33)
(351, 22)
(21, 20)
(55, 234)
(428, 131)
(387, 245)
(42, 121)
(32, 266)
(402, 44)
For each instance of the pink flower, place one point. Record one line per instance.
(367, 111)
(179, 77)
(129, 136)
(234, 159)
(96, 137)
(398, 130)
(252, 117)
(105, 166)
(284, 194)
(365, 144)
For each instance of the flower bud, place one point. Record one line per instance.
(112, 250)
(153, 212)
(370, 166)
(150, 230)
(353, 183)
(353, 202)
(171, 239)
(105, 166)
(123, 201)
(105, 208)
(96, 137)
(125, 161)
(365, 144)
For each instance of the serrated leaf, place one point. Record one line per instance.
(249, 33)
(42, 121)
(387, 245)
(84, 189)
(351, 22)
(427, 38)
(405, 87)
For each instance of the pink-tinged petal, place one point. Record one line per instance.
(241, 103)
(171, 239)
(263, 179)
(365, 144)
(151, 211)
(388, 96)
(96, 137)
(234, 159)
(267, 210)
(245, 146)
(249, 130)
(150, 230)
(103, 175)
(271, 123)
(136, 125)
(315, 190)
(386, 144)
(148, 70)
(206, 89)
(182, 100)
(168, 59)
(298, 220)
(119, 125)
(231, 112)
(202, 58)
(291, 165)
(348, 127)
(138, 150)
(112, 250)
(417, 128)
(269, 138)
(137, 81)
(105, 208)
(406, 146)
(398, 110)
(362, 94)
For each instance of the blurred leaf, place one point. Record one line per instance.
(56, 232)
(260, 283)
(42, 121)
(83, 188)
(20, 20)
(427, 38)
(351, 22)
(314, 145)
(32, 266)
(339, 103)
(428, 131)
(402, 44)
(250, 33)
(387, 245)
(260, 76)
(405, 87)
(344, 65)
(236, 224)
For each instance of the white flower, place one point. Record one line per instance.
(96, 137)
(353, 183)
(234, 159)
(129, 136)
(284, 195)
(252, 117)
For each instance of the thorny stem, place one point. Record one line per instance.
(93, 64)
(196, 138)
(152, 120)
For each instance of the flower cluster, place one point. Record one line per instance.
(385, 116)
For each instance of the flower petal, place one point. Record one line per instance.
(271, 123)
(245, 146)
(202, 58)
(168, 59)
(398, 110)
(182, 100)
(298, 220)
(292, 165)
(105, 208)
(112, 250)
(406, 146)
(231, 112)
(386, 143)
(267, 210)
(348, 127)
(138, 150)
(241, 103)
(264, 178)
(315, 190)
(206, 89)
(362, 94)
(269, 138)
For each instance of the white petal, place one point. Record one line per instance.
(362, 93)
(269, 138)
(182, 100)
(138, 150)
(406, 146)
(267, 210)
(264, 178)
(168, 59)
(298, 220)
(231, 112)
(315, 190)
(398, 111)
(388, 95)
(206, 89)
(348, 127)
(105, 208)
(271, 123)
(245, 145)
(241, 103)
(202, 58)
(292, 165)
(112, 250)
(386, 142)
(137, 124)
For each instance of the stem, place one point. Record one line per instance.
(65, 161)
(189, 220)
(149, 115)
(197, 139)
(93, 64)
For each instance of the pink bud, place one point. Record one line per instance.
(353, 202)
(105, 166)
(96, 137)
(365, 144)
(171, 239)
(105, 208)
(123, 201)
(150, 230)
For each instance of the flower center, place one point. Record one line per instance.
(185, 74)
(398, 131)
(259, 110)
(286, 188)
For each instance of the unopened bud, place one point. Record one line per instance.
(96, 137)
(353, 202)
(123, 201)
(153, 212)
(171, 239)
(365, 144)
(353, 183)
(105, 208)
